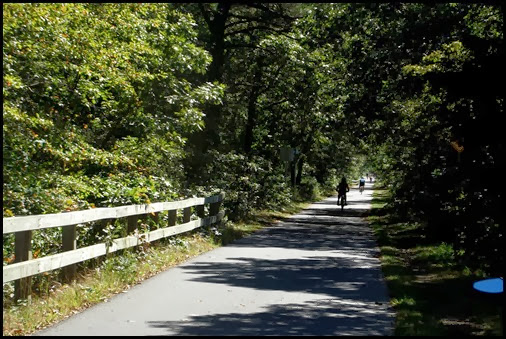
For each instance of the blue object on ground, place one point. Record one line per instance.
(494, 285)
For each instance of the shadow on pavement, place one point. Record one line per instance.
(349, 303)
(324, 317)
(337, 265)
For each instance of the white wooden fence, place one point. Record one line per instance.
(24, 266)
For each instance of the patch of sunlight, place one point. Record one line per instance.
(393, 277)
(403, 301)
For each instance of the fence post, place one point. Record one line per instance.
(172, 217)
(200, 211)
(23, 252)
(155, 217)
(132, 224)
(187, 212)
(214, 208)
(69, 243)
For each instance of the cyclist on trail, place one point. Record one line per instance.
(361, 184)
(342, 188)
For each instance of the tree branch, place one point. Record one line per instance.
(249, 29)
(273, 79)
(276, 103)
(228, 45)
(205, 14)
(251, 19)
(268, 10)
(236, 22)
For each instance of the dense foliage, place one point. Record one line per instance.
(97, 98)
(114, 104)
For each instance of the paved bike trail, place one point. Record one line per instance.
(316, 273)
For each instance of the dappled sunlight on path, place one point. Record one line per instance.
(316, 273)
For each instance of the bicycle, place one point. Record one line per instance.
(343, 201)
(361, 185)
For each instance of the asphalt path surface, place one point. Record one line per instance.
(316, 273)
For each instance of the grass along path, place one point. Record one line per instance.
(118, 273)
(430, 293)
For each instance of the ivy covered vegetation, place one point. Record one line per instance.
(117, 104)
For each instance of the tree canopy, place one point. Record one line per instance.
(114, 104)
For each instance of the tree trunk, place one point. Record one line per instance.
(217, 29)
(298, 178)
(293, 168)
(215, 73)
(209, 136)
(252, 112)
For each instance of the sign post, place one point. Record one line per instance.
(287, 154)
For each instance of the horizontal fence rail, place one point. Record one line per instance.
(25, 267)
(38, 222)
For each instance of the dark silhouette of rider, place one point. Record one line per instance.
(342, 188)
